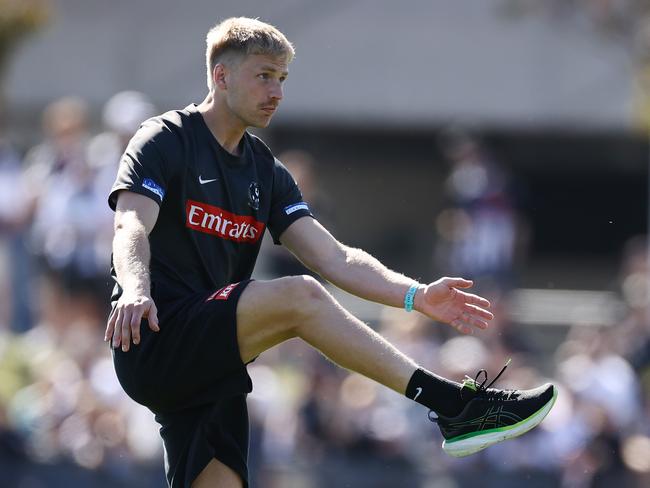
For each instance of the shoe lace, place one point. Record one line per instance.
(475, 386)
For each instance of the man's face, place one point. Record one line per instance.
(254, 88)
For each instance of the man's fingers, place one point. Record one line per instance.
(135, 325)
(461, 327)
(480, 324)
(108, 334)
(472, 299)
(152, 317)
(479, 312)
(125, 320)
(459, 283)
(117, 328)
(477, 300)
(126, 330)
(467, 321)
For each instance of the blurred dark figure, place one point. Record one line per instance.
(73, 229)
(65, 126)
(58, 168)
(64, 419)
(634, 343)
(16, 211)
(13, 457)
(71, 222)
(479, 231)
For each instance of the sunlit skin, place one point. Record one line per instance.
(246, 94)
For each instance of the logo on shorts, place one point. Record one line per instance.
(221, 223)
(222, 293)
(254, 196)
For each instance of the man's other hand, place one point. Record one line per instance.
(444, 301)
(124, 321)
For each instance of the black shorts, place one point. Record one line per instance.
(192, 377)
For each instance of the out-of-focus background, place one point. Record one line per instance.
(502, 140)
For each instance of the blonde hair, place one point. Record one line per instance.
(241, 36)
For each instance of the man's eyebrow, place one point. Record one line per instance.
(268, 67)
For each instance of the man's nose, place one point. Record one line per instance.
(276, 91)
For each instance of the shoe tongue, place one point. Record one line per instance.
(470, 384)
(468, 390)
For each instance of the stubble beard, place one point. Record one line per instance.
(259, 121)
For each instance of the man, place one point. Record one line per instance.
(193, 196)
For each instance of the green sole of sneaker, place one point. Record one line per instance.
(471, 445)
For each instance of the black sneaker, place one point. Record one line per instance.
(493, 415)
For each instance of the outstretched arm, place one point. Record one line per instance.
(359, 273)
(135, 216)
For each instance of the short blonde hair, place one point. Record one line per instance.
(241, 36)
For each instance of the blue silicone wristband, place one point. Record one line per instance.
(410, 295)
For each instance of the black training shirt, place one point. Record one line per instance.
(214, 206)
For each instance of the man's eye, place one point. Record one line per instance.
(264, 76)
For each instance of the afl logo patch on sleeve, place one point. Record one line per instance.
(295, 207)
(153, 187)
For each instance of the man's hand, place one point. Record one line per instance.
(135, 217)
(124, 321)
(443, 301)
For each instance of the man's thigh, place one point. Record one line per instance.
(268, 312)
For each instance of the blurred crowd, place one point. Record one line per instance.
(59, 398)
(314, 424)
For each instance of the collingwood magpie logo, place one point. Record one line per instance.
(254, 196)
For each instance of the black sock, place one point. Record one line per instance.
(435, 392)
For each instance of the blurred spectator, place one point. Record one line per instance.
(59, 398)
(633, 340)
(16, 211)
(73, 228)
(68, 211)
(479, 231)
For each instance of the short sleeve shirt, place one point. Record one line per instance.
(214, 206)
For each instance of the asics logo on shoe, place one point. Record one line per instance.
(494, 417)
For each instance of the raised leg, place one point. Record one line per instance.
(270, 312)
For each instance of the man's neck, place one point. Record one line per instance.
(224, 125)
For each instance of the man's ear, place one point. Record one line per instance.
(219, 76)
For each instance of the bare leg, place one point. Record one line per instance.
(270, 312)
(217, 474)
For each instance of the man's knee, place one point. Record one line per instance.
(302, 294)
(304, 297)
(306, 289)
(286, 301)
(270, 312)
